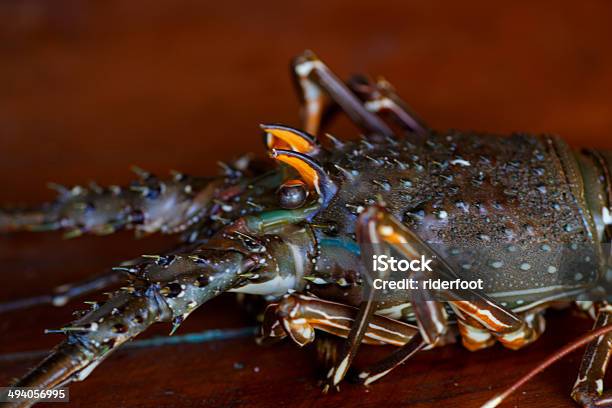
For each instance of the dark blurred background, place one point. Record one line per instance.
(89, 88)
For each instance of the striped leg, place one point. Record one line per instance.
(372, 231)
(398, 357)
(317, 83)
(475, 336)
(355, 336)
(322, 93)
(532, 328)
(380, 98)
(297, 316)
(316, 104)
(588, 390)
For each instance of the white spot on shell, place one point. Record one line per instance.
(606, 216)
(461, 162)
(497, 264)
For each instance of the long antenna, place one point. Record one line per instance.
(559, 354)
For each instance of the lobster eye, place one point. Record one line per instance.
(292, 194)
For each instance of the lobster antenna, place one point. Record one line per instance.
(559, 354)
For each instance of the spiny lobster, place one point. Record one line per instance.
(295, 231)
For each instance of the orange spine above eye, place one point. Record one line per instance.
(288, 138)
(310, 171)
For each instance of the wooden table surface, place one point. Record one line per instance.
(89, 88)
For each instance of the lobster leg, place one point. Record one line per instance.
(314, 78)
(315, 102)
(532, 328)
(386, 365)
(299, 315)
(474, 337)
(355, 337)
(377, 98)
(430, 315)
(365, 312)
(380, 97)
(588, 390)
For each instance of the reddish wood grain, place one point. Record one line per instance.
(89, 88)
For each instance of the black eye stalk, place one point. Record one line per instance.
(292, 194)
